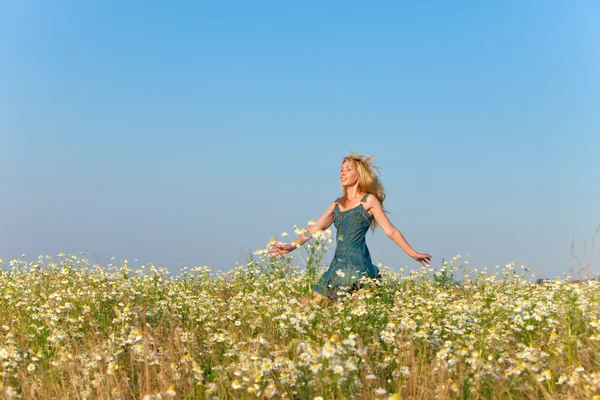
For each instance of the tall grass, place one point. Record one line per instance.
(74, 330)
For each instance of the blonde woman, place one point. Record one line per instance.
(360, 207)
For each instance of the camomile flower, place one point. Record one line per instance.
(327, 351)
(338, 369)
(236, 384)
(170, 391)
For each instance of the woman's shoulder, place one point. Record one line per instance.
(370, 200)
(335, 203)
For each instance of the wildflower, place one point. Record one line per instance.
(380, 391)
(327, 350)
(236, 384)
(4, 353)
(10, 391)
(387, 336)
(350, 341)
(544, 376)
(454, 387)
(212, 387)
(31, 367)
(170, 391)
(350, 365)
(338, 369)
(340, 273)
(318, 398)
(270, 391)
(284, 234)
(314, 368)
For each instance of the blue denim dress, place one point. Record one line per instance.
(352, 259)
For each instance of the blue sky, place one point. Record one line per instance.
(190, 134)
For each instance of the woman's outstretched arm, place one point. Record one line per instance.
(322, 223)
(374, 205)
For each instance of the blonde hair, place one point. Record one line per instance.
(368, 178)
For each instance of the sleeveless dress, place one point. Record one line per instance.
(352, 259)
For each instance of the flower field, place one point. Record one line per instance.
(70, 329)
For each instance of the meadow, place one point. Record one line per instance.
(71, 329)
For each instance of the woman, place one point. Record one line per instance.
(360, 207)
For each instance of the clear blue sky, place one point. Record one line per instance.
(189, 133)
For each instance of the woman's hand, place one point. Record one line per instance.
(423, 258)
(277, 249)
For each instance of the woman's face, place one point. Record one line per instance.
(348, 174)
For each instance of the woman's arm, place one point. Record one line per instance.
(322, 223)
(374, 206)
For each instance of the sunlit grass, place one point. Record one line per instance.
(71, 329)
